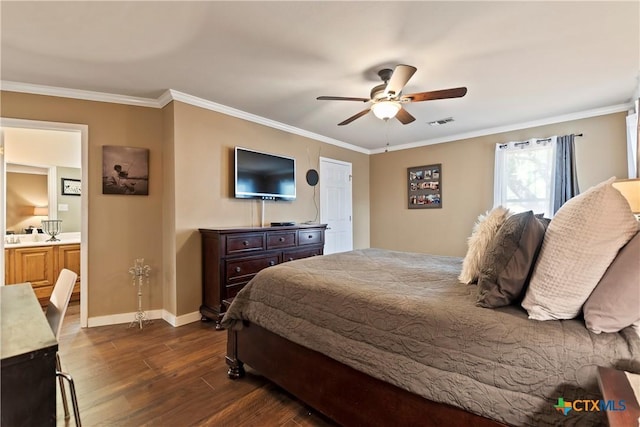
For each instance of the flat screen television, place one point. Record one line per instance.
(260, 175)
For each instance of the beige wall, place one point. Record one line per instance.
(467, 182)
(191, 162)
(71, 218)
(24, 192)
(121, 228)
(190, 187)
(168, 212)
(203, 177)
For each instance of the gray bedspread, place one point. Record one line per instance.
(404, 318)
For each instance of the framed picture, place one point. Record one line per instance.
(425, 186)
(71, 187)
(125, 170)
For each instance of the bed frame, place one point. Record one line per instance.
(347, 396)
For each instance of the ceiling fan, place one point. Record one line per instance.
(387, 98)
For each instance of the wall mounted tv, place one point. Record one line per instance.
(264, 176)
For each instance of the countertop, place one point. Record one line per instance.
(35, 240)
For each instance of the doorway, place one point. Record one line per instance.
(8, 125)
(336, 205)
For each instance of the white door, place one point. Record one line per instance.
(2, 196)
(336, 205)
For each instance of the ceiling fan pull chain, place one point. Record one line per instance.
(386, 126)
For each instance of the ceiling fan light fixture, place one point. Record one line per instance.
(386, 99)
(385, 110)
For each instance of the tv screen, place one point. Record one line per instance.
(264, 176)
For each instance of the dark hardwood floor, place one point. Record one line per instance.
(166, 376)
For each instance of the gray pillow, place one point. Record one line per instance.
(582, 240)
(509, 260)
(543, 220)
(615, 302)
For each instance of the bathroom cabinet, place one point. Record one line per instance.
(40, 266)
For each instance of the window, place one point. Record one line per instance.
(524, 173)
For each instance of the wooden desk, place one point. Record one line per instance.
(28, 351)
(615, 386)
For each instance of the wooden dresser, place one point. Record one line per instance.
(232, 256)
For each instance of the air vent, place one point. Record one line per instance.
(441, 121)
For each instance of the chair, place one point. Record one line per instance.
(58, 304)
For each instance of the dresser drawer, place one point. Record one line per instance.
(301, 253)
(242, 270)
(309, 237)
(232, 290)
(245, 243)
(281, 239)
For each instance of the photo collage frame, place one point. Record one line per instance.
(425, 186)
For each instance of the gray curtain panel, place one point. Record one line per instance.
(566, 179)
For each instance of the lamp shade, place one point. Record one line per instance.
(385, 110)
(40, 211)
(630, 189)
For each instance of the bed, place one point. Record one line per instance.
(375, 337)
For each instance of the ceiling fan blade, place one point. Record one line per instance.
(457, 92)
(356, 116)
(399, 78)
(341, 98)
(404, 116)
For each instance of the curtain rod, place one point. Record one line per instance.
(543, 139)
(549, 139)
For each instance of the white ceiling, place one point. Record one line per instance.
(42, 148)
(522, 62)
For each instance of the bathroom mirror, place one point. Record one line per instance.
(37, 161)
(32, 190)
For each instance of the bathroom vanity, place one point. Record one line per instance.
(39, 262)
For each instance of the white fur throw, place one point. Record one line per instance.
(484, 231)
(580, 243)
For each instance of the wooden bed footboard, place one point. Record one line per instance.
(347, 396)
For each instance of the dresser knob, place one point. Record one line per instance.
(238, 269)
(272, 263)
(246, 243)
(282, 239)
(310, 236)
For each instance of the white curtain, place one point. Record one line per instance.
(524, 175)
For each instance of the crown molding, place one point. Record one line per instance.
(164, 99)
(86, 95)
(174, 95)
(509, 128)
(213, 106)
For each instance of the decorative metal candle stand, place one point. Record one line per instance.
(52, 227)
(140, 272)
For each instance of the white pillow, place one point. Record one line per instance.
(483, 232)
(580, 243)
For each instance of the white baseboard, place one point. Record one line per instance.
(185, 319)
(116, 319)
